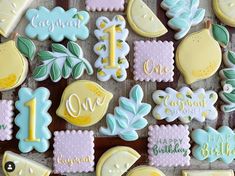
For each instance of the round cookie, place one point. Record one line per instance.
(145, 171)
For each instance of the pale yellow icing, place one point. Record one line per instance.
(208, 173)
(145, 171)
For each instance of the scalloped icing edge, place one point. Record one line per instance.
(91, 7)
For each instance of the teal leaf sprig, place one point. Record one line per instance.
(26, 47)
(62, 62)
(128, 116)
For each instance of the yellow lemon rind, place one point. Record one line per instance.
(146, 170)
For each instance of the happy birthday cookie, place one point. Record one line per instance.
(154, 66)
(116, 161)
(112, 48)
(73, 152)
(185, 105)
(128, 116)
(145, 171)
(84, 103)
(169, 146)
(33, 119)
(143, 21)
(207, 173)
(57, 24)
(183, 14)
(105, 5)
(16, 165)
(62, 62)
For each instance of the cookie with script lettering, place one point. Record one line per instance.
(169, 146)
(207, 173)
(73, 152)
(105, 5)
(154, 66)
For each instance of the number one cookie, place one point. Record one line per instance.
(33, 120)
(111, 48)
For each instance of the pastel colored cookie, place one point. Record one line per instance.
(207, 173)
(33, 119)
(16, 165)
(62, 62)
(169, 146)
(154, 66)
(84, 103)
(185, 105)
(112, 48)
(184, 14)
(206, 57)
(73, 152)
(225, 11)
(11, 13)
(105, 5)
(6, 118)
(116, 161)
(57, 24)
(128, 116)
(143, 21)
(145, 171)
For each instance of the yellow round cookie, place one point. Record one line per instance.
(143, 21)
(116, 161)
(145, 171)
(225, 11)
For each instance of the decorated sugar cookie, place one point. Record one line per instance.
(185, 105)
(207, 55)
(184, 14)
(16, 165)
(212, 144)
(169, 146)
(207, 173)
(57, 24)
(11, 13)
(154, 66)
(33, 119)
(73, 152)
(116, 161)
(84, 103)
(128, 116)
(62, 62)
(105, 5)
(145, 171)
(143, 21)
(225, 11)
(111, 48)
(6, 118)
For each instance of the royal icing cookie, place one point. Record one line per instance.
(225, 11)
(62, 62)
(116, 161)
(145, 171)
(169, 146)
(206, 59)
(128, 116)
(57, 24)
(33, 119)
(16, 165)
(105, 5)
(185, 105)
(73, 152)
(112, 48)
(207, 173)
(214, 144)
(184, 14)
(154, 66)
(11, 13)
(6, 118)
(143, 21)
(84, 103)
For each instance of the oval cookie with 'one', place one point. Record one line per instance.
(145, 171)
(84, 103)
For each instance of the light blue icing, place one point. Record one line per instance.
(213, 145)
(128, 117)
(57, 24)
(183, 14)
(43, 119)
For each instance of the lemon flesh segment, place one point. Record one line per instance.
(143, 21)
(145, 171)
(225, 11)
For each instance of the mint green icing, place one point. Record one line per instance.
(231, 57)
(26, 47)
(220, 34)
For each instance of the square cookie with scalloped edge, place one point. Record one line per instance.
(168, 146)
(154, 61)
(6, 119)
(73, 152)
(105, 5)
